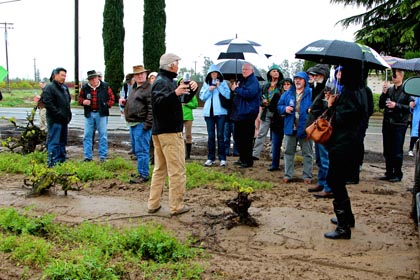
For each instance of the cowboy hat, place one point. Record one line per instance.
(138, 69)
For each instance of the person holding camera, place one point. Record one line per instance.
(214, 114)
(167, 135)
(187, 110)
(394, 125)
(96, 97)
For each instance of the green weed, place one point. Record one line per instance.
(15, 222)
(93, 251)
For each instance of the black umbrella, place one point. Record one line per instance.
(229, 69)
(239, 49)
(340, 52)
(236, 48)
(409, 64)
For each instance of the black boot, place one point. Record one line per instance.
(343, 230)
(334, 221)
(187, 150)
(350, 217)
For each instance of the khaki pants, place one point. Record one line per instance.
(169, 161)
(43, 119)
(188, 131)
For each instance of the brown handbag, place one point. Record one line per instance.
(320, 130)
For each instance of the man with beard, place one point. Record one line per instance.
(294, 105)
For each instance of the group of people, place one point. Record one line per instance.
(153, 111)
(285, 107)
(157, 107)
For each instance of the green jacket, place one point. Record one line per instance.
(188, 107)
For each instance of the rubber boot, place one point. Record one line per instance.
(188, 150)
(334, 221)
(343, 230)
(350, 217)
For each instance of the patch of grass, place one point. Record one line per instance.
(13, 221)
(85, 171)
(120, 168)
(19, 98)
(198, 176)
(93, 251)
(20, 164)
(27, 249)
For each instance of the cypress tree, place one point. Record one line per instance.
(153, 33)
(113, 34)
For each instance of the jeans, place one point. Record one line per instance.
(276, 141)
(141, 147)
(56, 143)
(101, 124)
(169, 161)
(229, 127)
(215, 124)
(289, 156)
(322, 161)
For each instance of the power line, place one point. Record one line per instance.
(4, 2)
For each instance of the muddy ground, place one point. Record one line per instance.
(289, 242)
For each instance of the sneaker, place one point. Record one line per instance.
(410, 153)
(209, 162)
(223, 163)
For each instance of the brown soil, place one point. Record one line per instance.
(289, 242)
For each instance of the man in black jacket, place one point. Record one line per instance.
(167, 135)
(56, 98)
(394, 125)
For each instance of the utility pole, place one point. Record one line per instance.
(7, 55)
(76, 49)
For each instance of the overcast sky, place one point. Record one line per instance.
(43, 31)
